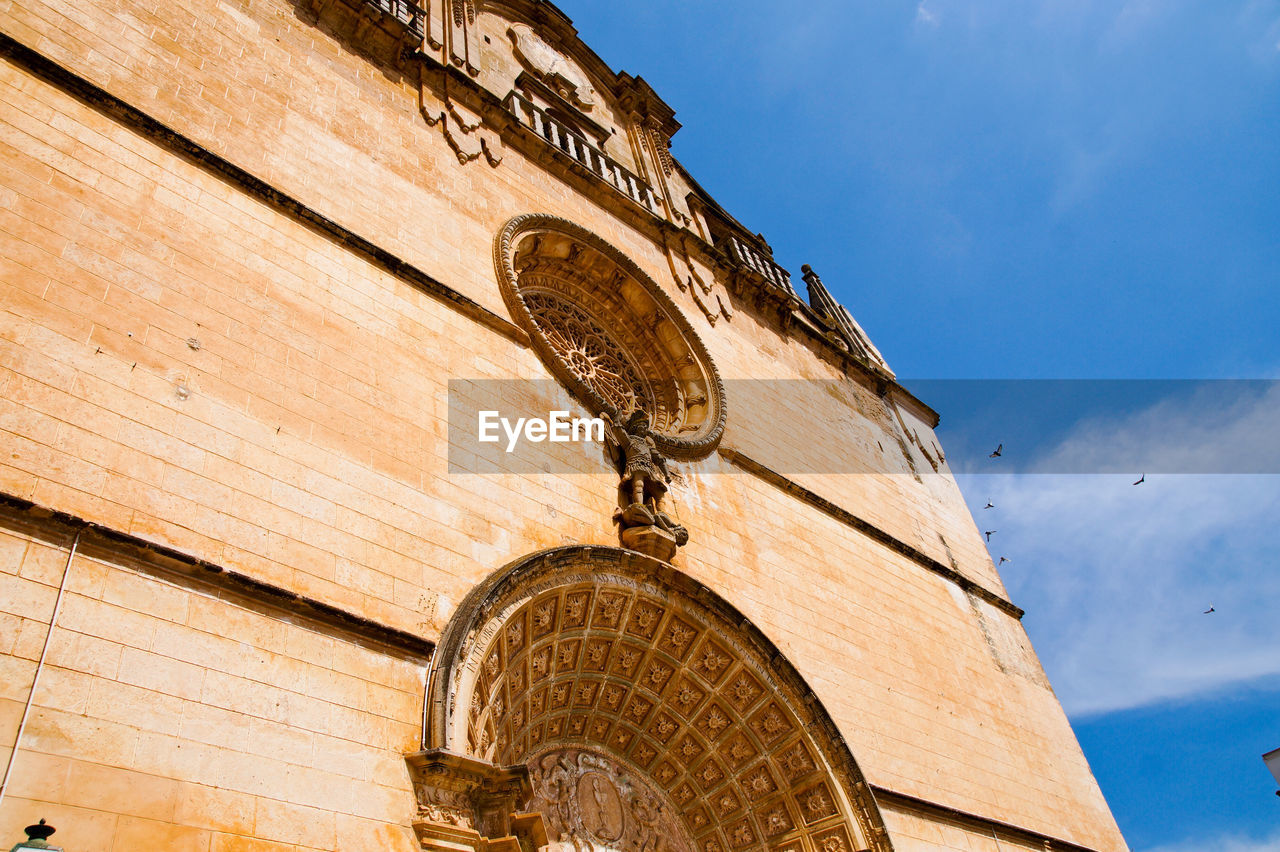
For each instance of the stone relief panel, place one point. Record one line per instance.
(592, 803)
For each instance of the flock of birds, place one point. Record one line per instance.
(997, 453)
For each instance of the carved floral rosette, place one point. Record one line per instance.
(609, 333)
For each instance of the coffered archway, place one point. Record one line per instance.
(643, 708)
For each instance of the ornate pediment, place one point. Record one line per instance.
(564, 77)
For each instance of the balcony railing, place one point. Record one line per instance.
(405, 12)
(761, 263)
(578, 148)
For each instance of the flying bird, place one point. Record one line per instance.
(995, 454)
(1209, 610)
(989, 505)
(1141, 479)
(1004, 559)
(990, 533)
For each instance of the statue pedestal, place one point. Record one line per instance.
(651, 541)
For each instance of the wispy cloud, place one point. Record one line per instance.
(1205, 427)
(1115, 577)
(1223, 843)
(925, 16)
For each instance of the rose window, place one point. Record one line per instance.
(588, 350)
(609, 333)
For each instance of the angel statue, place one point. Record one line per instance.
(645, 476)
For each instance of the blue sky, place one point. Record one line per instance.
(1048, 189)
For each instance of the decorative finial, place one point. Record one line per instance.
(39, 831)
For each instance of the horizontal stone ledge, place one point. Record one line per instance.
(192, 572)
(892, 800)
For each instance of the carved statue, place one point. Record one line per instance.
(645, 479)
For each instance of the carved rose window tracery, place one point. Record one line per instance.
(609, 333)
(590, 352)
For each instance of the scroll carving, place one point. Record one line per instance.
(463, 129)
(685, 274)
(551, 67)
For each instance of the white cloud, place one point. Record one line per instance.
(1207, 427)
(1224, 843)
(924, 16)
(1115, 577)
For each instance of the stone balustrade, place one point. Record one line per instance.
(758, 262)
(572, 143)
(405, 12)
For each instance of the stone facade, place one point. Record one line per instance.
(274, 603)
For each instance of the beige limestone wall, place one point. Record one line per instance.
(915, 833)
(167, 718)
(282, 99)
(938, 693)
(310, 448)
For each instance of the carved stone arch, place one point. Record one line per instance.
(609, 332)
(634, 705)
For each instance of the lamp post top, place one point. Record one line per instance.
(37, 838)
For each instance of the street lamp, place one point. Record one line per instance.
(37, 838)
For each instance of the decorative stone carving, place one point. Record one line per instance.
(561, 74)
(590, 802)
(451, 33)
(588, 349)
(658, 704)
(688, 279)
(463, 128)
(661, 144)
(464, 803)
(609, 333)
(844, 328)
(645, 477)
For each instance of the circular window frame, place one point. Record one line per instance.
(702, 440)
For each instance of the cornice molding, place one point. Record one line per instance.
(167, 563)
(892, 800)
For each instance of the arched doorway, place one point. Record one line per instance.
(591, 698)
